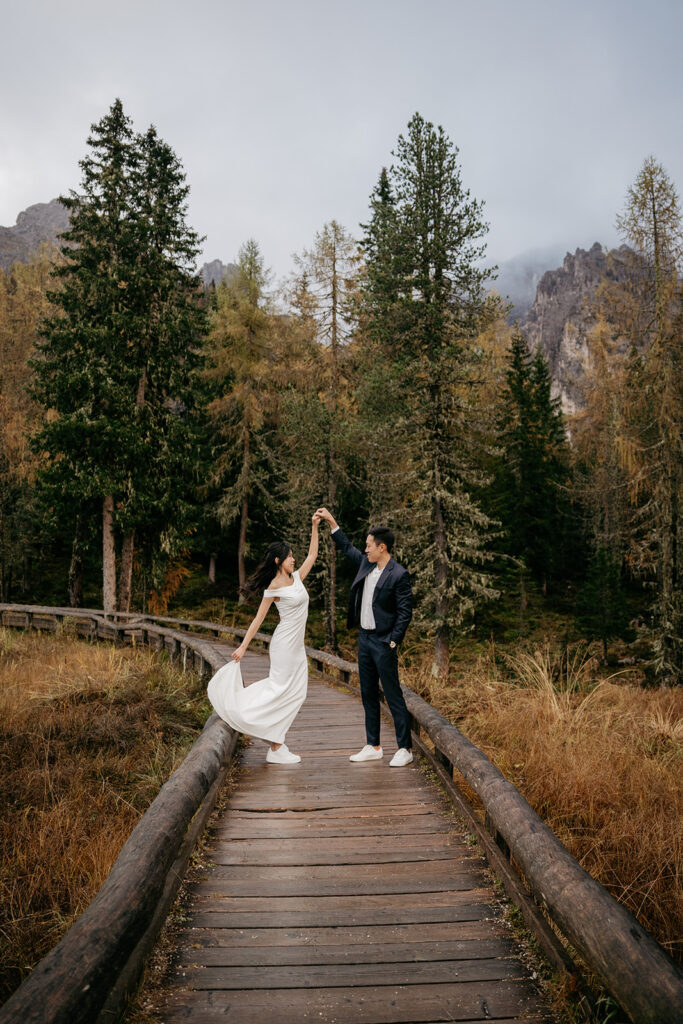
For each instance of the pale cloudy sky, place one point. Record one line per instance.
(284, 111)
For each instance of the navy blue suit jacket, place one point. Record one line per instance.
(392, 601)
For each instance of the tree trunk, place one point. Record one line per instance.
(128, 544)
(442, 639)
(441, 663)
(244, 518)
(26, 579)
(522, 601)
(333, 643)
(75, 585)
(331, 596)
(212, 567)
(108, 557)
(126, 578)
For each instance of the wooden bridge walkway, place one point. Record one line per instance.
(342, 892)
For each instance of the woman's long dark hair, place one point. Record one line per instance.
(268, 568)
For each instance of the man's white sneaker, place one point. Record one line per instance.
(401, 757)
(368, 753)
(282, 755)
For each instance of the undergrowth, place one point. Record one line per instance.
(598, 758)
(88, 734)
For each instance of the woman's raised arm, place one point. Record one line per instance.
(308, 562)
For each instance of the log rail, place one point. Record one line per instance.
(90, 974)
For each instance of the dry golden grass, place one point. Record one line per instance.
(599, 760)
(88, 734)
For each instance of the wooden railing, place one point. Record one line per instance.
(89, 975)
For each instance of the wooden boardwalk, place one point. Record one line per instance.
(342, 892)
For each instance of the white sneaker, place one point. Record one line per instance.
(401, 757)
(368, 753)
(283, 755)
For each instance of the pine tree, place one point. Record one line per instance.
(118, 360)
(652, 449)
(533, 465)
(318, 427)
(424, 304)
(163, 453)
(244, 374)
(601, 608)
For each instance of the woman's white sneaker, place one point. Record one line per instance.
(401, 758)
(283, 755)
(368, 753)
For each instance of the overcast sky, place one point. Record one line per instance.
(283, 112)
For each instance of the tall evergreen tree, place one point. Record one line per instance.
(118, 360)
(652, 449)
(532, 466)
(318, 431)
(424, 304)
(601, 608)
(243, 373)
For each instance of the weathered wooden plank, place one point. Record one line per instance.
(381, 935)
(318, 904)
(373, 872)
(44, 621)
(382, 1004)
(356, 954)
(340, 975)
(288, 855)
(344, 916)
(339, 845)
(264, 826)
(296, 787)
(16, 619)
(341, 887)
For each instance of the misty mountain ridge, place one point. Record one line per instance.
(550, 293)
(518, 278)
(44, 222)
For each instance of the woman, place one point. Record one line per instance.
(266, 709)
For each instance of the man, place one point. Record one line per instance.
(381, 604)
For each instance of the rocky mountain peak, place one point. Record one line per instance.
(561, 317)
(42, 222)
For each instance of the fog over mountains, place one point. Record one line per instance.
(518, 278)
(550, 291)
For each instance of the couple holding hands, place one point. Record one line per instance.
(380, 604)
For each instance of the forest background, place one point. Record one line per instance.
(151, 426)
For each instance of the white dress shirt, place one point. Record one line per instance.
(367, 619)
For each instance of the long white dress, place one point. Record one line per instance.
(267, 708)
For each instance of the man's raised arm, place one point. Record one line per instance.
(340, 538)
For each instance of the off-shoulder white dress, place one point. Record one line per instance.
(267, 708)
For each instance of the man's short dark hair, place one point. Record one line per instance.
(383, 535)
